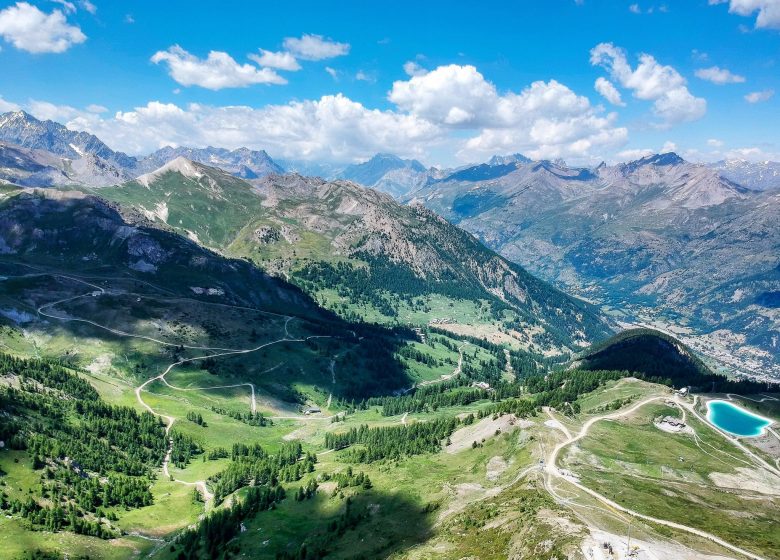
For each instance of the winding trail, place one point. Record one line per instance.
(250, 385)
(169, 420)
(557, 424)
(41, 310)
(447, 377)
(44, 310)
(551, 470)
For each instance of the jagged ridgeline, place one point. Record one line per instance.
(358, 252)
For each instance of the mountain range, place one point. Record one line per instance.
(760, 176)
(325, 235)
(213, 360)
(45, 153)
(658, 240)
(386, 172)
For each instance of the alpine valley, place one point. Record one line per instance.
(209, 353)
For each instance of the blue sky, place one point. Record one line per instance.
(446, 82)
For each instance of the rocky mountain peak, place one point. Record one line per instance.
(242, 162)
(23, 129)
(511, 158)
(372, 171)
(181, 165)
(667, 159)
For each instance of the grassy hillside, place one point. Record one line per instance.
(163, 400)
(289, 490)
(76, 269)
(361, 254)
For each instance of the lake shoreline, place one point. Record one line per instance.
(736, 420)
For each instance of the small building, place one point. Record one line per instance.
(312, 410)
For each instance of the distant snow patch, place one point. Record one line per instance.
(78, 150)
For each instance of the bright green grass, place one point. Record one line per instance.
(401, 491)
(637, 445)
(419, 371)
(618, 390)
(221, 431)
(435, 306)
(173, 509)
(20, 475)
(517, 523)
(199, 469)
(16, 541)
(715, 511)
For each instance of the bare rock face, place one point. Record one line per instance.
(243, 162)
(758, 176)
(74, 231)
(22, 129)
(38, 168)
(145, 247)
(37, 153)
(365, 225)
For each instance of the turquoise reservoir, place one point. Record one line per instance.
(735, 420)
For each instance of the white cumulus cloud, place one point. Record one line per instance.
(315, 47)
(332, 128)
(49, 111)
(453, 95)
(768, 11)
(545, 120)
(6, 106)
(279, 60)
(29, 29)
(68, 7)
(608, 91)
(719, 76)
(672, 101)
(363, 76)
(753, 153)
(217, 71)
(88, 6)
(450, 110)
(634, 154)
